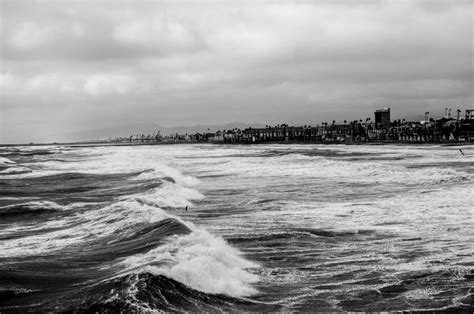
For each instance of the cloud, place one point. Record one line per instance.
(50, 83)
(98, 84)
(151, 33)
(68, 84)
(7, 82)
(203, 61)
(30, 35)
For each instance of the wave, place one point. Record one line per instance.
(14, 170)
(4, 161)
(302, 151)
(170, 196)
(138, 293)
(301, 233)
(169, 256)
(334, 171)
(165, 172)
(9, 167)
(91, 233)
(28, 153)
(145, 239)
(30, 208)
(201, 261)
(75, 187)
(198, 259)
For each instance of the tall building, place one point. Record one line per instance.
(382, 117)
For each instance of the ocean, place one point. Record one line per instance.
(236, 228)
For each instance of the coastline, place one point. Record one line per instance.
(372, 143)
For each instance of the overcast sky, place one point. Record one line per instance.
(73, 65)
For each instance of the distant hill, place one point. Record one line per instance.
(149, 128)
(207, 128)
(114, 131)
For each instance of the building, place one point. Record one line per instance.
(382, 118)
(466, 126)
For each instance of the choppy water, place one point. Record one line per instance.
(268, 228)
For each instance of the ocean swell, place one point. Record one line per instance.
(94, 233)
(200, 261)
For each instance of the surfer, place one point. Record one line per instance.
(186, 208)
(461, 152)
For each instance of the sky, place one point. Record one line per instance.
(74, 65)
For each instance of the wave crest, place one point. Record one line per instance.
(170, 195)
(200, 261)
(162, 171)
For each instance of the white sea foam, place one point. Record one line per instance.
(4, 161)
(15, 170)
(395, 199)
(102, 222)
(96, 223)
(38, 205)
(75, 229)
(201, 261)
(322, 168)
(161, 171)
(425, 293)
(151, 161)
(170, 195)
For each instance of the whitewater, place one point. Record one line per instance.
(201, 227)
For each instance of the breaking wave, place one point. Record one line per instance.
(109, 238)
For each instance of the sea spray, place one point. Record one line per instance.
(170, 195)
(162, 171)
(333, 228)
(201, 261)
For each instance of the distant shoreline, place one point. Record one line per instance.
(103, 144)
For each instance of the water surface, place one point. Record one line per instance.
(268, 228)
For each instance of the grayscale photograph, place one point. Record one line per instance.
(236, 156)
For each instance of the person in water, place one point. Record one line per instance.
(186, 209)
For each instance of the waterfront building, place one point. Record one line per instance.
(382, 118)
(466, 126)
(357, 131)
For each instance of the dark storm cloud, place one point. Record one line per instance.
(71, 64)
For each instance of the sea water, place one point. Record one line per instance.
(254, 228)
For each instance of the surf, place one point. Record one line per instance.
(87, 231)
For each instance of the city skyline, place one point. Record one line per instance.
(69, 67)
(381, 118)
